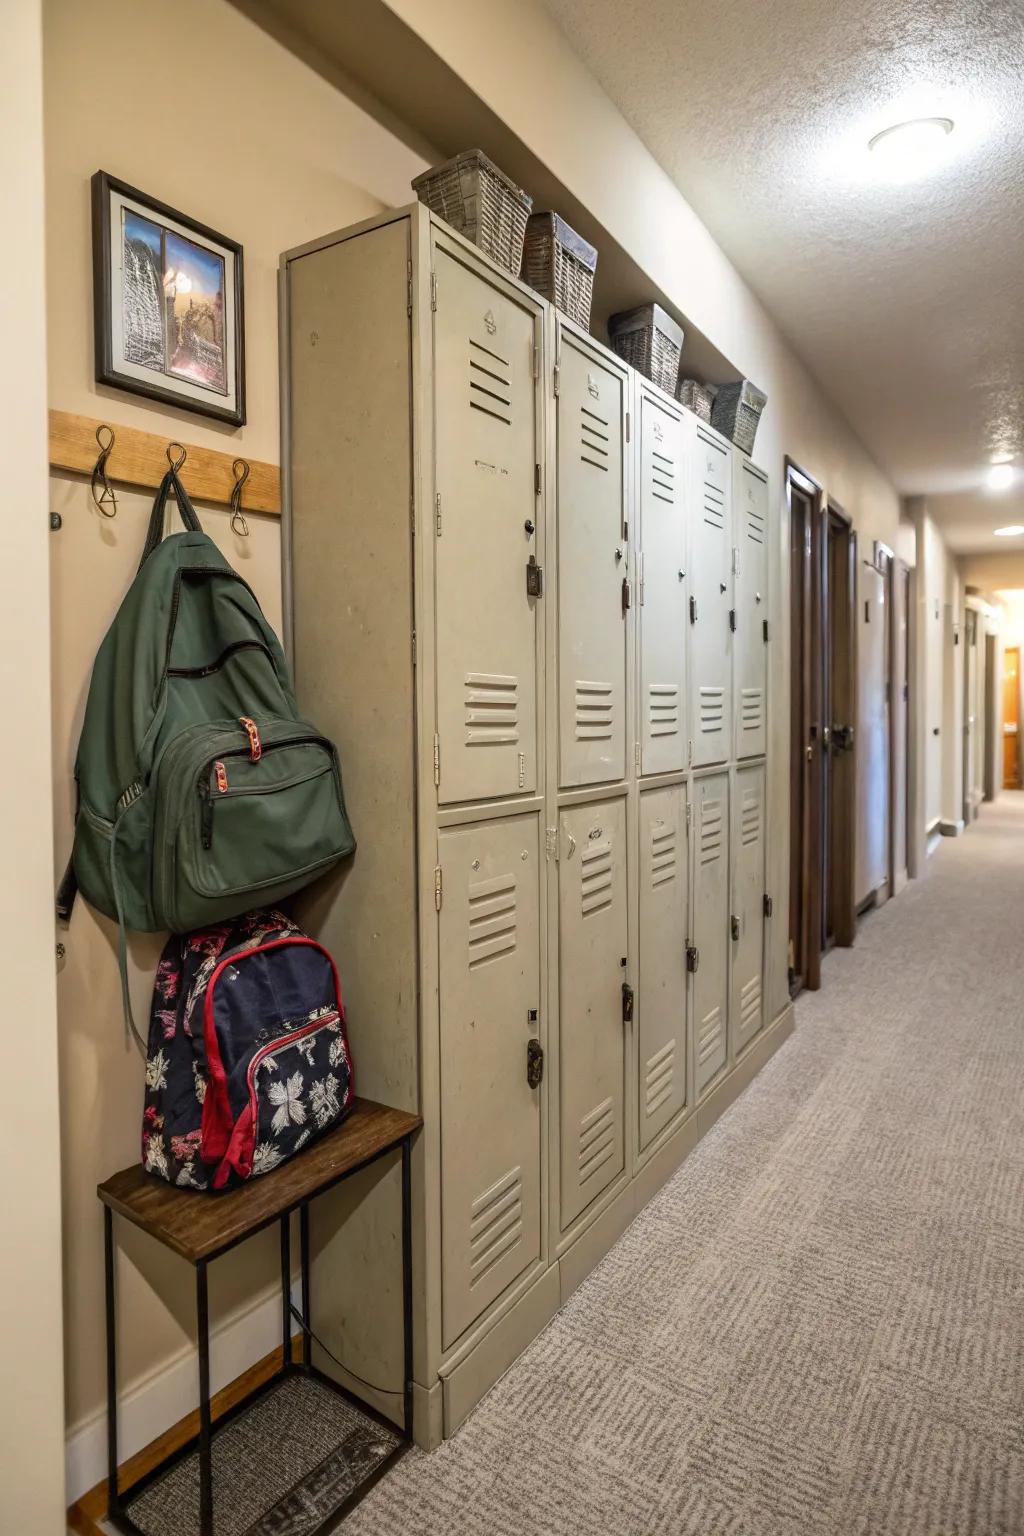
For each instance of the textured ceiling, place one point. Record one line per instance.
(906, 302)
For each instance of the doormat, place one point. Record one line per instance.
(281, 1467)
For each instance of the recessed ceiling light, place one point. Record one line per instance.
(1009, 533)
(1000, 477)
(910, 149)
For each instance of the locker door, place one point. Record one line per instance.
(661, 997)
(711, 600)
(490, 985)
(487, 624)
(591, 570)
(750, 513)
(710, 924)
(592, 951)
(662, 590)
(748, 856)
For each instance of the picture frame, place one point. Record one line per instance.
(168, 301)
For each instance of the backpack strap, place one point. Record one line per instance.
(67, 890)
(156, 519)
(122, 949)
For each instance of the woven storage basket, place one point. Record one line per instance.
(697, 398)
(650, 341)
(481, 202)
(559, 265)
(737, 411)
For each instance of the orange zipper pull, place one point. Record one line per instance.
(255, 745)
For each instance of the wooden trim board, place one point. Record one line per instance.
(140, 458)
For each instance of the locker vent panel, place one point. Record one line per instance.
(593, 439)
(711, 831)
(595, 708)
(663, 476)
(751, 709)
(495, 1223)
(663, 853)
(492, 919)
(709, 1036)
(490, 384)
(597, 1139)
(750, 1004)
(712, 711)
(659, 1078)
(755, 521)
(714, 507)
(596, 878)
(492, 709)
(750, 819)
(663, 709)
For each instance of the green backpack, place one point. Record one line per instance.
(201, 790)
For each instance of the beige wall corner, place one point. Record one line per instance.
(32, 1411)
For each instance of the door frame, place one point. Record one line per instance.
(805, 744)
(885, 564)
(901, 671)
(840, 811)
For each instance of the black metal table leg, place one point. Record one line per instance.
(286, 1290)
(205, 1434)
(113, 1495)
(307, 1338)
(407, 1284)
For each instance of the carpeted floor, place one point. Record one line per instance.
(818, 1325)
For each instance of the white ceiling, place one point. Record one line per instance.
(906, 302)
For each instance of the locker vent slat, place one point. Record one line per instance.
(663, 853)
(663, 474)
(595, 711)
(596, 1139)
(492, 919)
(711, 831)
(751, 709)
(755, 518)
(750, 1003)
(596, 878)
(750, 819)
(593, 439)
(712, 710)
(663, 709)
(495, 1224)
(490, 384)
(709, 1036)
(659, 1078)
(492, 709)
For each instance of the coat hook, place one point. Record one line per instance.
(179, 460)
(240, 470)
(106, 501)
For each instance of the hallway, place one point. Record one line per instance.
(818, 1325)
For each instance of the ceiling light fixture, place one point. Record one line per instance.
(910, 149)
(1000, 477)
(1008, 533)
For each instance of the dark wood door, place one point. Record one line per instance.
(806, 907)
(839, 744)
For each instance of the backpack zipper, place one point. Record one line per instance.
(206, 797)
(276, 1045)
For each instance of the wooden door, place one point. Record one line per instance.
(839, 712)
(1011, 717)
(807, 592)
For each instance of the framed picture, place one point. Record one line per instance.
(168, 304)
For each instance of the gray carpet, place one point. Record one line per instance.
(818, 1325)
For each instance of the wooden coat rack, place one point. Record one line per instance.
(140, 458)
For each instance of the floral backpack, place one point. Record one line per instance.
(248, 1058)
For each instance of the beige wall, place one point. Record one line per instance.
(232, 129)
(31, 1407)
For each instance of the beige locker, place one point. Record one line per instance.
(747, 917)
(592, 961)
(490, 994)
(750, 652)
(592, 565)
(661, 973)
(711, 601)
(710, 925)
(486, 518)
(662, 587)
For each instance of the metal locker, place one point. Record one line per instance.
(711, 600)
(750, 653)
(592, 567)
(486, 517)
(662, 589)
(661, 977)
(592, 1003)
(748, 882)
(710, 925)
(487, 886)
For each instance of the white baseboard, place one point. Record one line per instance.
(161, 1399)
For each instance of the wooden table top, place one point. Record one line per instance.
(199, 1224)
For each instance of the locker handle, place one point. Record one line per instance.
(734, 926)
(534, 1063)
(627, 1003)
(692, 957)
(534, 578)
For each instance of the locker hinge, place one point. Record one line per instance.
(732, 619)
(536, 362)
(769, 905)
(412, 515)
(408, 288)
(734, 928)
(522, 770)
(437, 514)
(551, 843)
(735, 560)
(437, 758)
(765, 631)
(693, 610)
(689, 814)
(627, 426)
(625, 531)
(534, 1059)
(692, 957)
(438, 892)
(433, 291)
(640, 580)
(636, 755)
(689, 755)
(627, 1003)
(556, 377)
(627, 594)
(536, 480)
(534, 578)
(414, 647)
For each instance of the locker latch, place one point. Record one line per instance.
(693, 610)
(734, 927)
(769, 905)
(627, 1003)
(627, 594)
(534, 1061)
(766, 631)
(732, 619)
(692, 957)
(534, 578)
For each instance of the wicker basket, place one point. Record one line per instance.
(737, 411)
(650, 341)
(480, 202)
(698, 398)
(559, 265)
